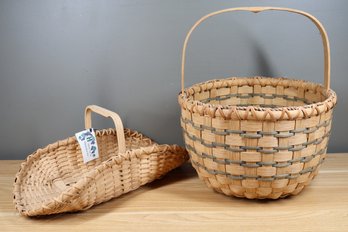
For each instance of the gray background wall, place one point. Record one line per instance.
(56, 57)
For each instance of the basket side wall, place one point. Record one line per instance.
(256, 159)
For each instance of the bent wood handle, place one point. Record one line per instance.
(108, 114)
(323, 34)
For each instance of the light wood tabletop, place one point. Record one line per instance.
(181, 202)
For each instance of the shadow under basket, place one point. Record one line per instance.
(257, 137)
(55, 179)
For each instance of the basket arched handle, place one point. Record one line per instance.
(108, 114)
(323, 33)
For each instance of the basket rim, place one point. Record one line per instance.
(63, 198)
(256, 112)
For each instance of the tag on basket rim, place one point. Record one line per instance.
(88, 144)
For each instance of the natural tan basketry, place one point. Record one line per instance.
(257, 137)
(55, 179)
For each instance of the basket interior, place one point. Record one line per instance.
(51, 170)
(258, 92)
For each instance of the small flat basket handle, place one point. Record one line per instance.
(108, 114)
(323, 34)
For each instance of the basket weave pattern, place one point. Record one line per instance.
(257, 137)
(242, 150)
(55, 179)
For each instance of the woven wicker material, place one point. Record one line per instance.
(55, 179)
(257, 137)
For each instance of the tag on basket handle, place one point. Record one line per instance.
(88, 144)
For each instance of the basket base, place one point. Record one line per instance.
(235, 188)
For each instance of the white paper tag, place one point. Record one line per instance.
(88, 144)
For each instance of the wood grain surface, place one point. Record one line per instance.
(181, 202)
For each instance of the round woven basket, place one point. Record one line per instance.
(257, 137)
(55, 179)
